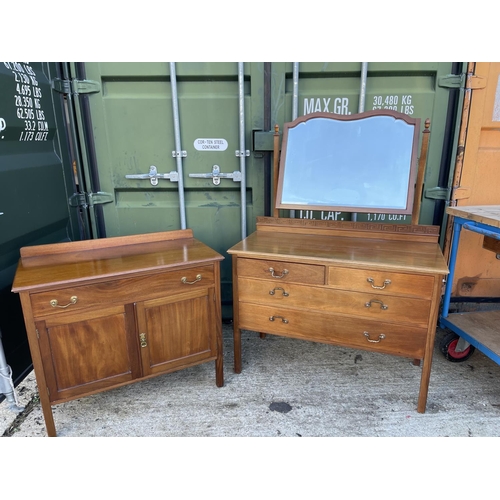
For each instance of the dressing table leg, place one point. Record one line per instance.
(48, 416)
(237, 349)
(236, 321)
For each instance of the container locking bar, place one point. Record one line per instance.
(153, 176)
(216, 175)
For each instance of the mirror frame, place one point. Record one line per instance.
(415, 122)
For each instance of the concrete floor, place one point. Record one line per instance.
(287, 387)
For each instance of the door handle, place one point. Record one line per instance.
(153, 176)
(216, 175)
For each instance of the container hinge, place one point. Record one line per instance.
(452, 81)
(90, 199)
(75, 86)
(475, 82)
(437, 193)
(241, 154)
(463, 81)
(263, 141)
(461, 193)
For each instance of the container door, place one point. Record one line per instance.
(476, 181)
(34, 188)
(133, 129)
(420, 90)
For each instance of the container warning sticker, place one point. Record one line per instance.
(210, 144)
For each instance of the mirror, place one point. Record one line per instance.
(359, 163)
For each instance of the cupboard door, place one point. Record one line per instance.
(84, 353)
(177, 332)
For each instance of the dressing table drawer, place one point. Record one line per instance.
(382, 282)
(122, 290)
(282, 271)
(388, 308)
(389, 338)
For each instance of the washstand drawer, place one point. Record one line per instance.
(389, 338)
(282, 271)
(391, 308)
(384, 282)
(121, 290)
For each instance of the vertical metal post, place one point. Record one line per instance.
(6, 384)
(453, 260)
(295, 103)
(361, 105)
(362, 92)
(242, 152)
(178, 149)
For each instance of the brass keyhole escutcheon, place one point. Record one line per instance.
(142, 338)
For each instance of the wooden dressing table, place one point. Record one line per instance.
(362, 285)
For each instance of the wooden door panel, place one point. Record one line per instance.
(87, 354)
(177, 331)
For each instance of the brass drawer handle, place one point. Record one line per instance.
(382, 305)
(273, 291)
(380, 337)
(284, 272)
(283, 320)
(72, 300)
(184, 280)
(386, 282)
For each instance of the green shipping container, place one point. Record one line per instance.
(143, 147)
(34, 188)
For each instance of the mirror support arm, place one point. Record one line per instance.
(276, 160)
(422, 161)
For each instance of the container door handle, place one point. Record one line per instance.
(153, 176)
(216, 175)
